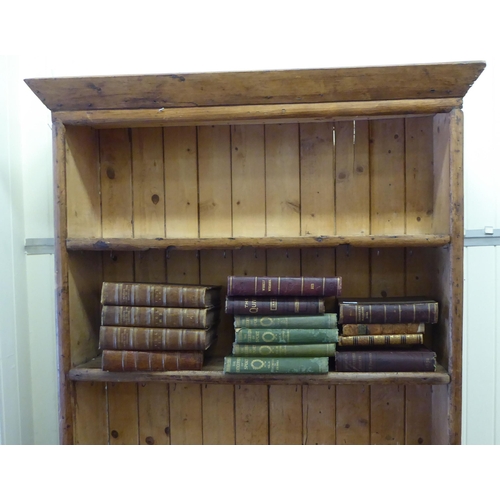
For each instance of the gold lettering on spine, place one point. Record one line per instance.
(273, 303)
(302, 286)
(279, 285)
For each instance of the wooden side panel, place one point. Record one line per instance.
(251, 414)
(441, 157)
(352, 179)
(214, 174)
(148, 183)
(154, 414)
(419, 175)
(116, 183)
(387, 414)
(248, 180)
(387, 176)
(83, 182)
(91, 415)
(318, 404)
(282, 180)
(181, 182)
(123, 413)
(317, 177)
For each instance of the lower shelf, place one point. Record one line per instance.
(212, 374)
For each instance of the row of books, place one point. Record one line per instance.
(157, 327)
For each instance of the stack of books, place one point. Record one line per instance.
(281, 324)
(385, 335)
(157, 327)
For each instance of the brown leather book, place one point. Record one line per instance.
(275, 305)
(159, 317)
(133, 361)
(390, 310)
(303, 286)
(349, 330)
(160, 295)
(369, 340)
(419, 359)
(155, 339)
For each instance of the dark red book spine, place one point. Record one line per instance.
(385, 361)
(274, 305)
(271, 286)
(134, 361)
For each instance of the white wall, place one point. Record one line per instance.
(262, 35)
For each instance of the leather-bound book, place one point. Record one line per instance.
(274, 305)
(144, 361)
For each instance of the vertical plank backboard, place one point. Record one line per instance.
(285, 414)
(251, 414)
(181, 182)
(116, 183)
(387, 425)
(387, 181)
(150, 266)
(154, 413)
(91, 415)
(318, 405)
(282, 180)
(185, 399)
(419, 174)
(388, 272)
(218, 414)
(147, 183)
(248, 180)
(83, 182)
(214, 174)
(317, 176)
(418, 414)
(123, 413)
(352, 177)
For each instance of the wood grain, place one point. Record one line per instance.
(154, 414)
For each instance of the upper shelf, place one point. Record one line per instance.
(420, 81)
(370, 241)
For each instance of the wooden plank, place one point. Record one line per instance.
(150, 266)
(353, 264)
(154, 413)
(387, 272)
(318, 404)
(181, 182)
(248, 180)
(352, 417)
(257, 114)
(123, 413)
(83, 182)
(418, 415)
(91, 415)
(285, 414)
(185, 414)
(441, 161)
(387, 176)
(282, 180)
(116, 183)
(218, 414)
(352, 178)
(251, 414)
(317, 176)
(387, 414)
(147, 183)
(214, 174)
(257, 87)
(419, 175)
(118, 266)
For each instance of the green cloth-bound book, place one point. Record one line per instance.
(285, 350)
(327, 320)
(286, 336)
(236, 364)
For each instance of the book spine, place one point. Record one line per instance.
(388, 313)
(156, 317)
(385, 361)
(153, 295)
(327, 320)
(280, 350)
(284, 286)
(132, 361)
(369, 340)
(154, 339)
(235, 364)
(382, 329)
(286, 335)
(274, 305)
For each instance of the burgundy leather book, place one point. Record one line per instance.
(133, 361)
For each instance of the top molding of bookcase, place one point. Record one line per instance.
(305, 86)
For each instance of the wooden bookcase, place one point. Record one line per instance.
(355, 172)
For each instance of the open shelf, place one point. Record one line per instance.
(369, 241)
(212, 373)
